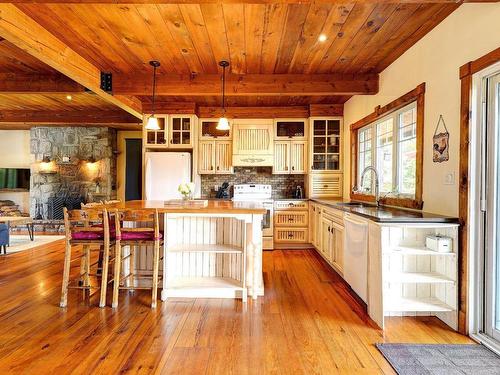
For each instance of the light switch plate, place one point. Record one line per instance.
(449, 178)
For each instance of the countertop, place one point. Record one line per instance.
(387, 214)
(214, 206)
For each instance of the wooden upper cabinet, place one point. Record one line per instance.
(290, 157)
(281, 157)
(208, 129)
(156, 138)
(326, 144)
(298, 157)
(215, 157)
(206, 157)
(223, 157)
(290, 129)
(181, 131)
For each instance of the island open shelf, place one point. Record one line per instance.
(212, 255)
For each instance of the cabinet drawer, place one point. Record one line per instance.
(326, 185)
(283, 235)
(291, 218)
(334, 215)
(291, 205)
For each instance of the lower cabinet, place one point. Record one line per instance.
(328, 236)
(291, 223)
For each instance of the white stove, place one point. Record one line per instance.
(263, 194)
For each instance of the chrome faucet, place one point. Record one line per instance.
(377, 193)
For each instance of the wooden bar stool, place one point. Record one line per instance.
(145, 232)
(90, 229)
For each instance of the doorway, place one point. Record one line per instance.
(485, 208)
(133, 169)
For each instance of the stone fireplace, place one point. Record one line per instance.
(72, 165)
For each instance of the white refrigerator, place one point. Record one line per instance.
(164, 172)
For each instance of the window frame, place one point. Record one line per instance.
(380, 114)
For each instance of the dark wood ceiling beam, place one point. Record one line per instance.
(248, 84)
(273, 112)
(15, 83)
(233, 1)
(170, 107)
(90, 117)
(22, 31)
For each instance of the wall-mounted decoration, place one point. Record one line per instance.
(441, 143)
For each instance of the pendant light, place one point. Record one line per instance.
(152, 123)
(223, 123)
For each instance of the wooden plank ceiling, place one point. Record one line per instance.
(259, 40)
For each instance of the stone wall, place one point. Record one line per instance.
(76, 177)
(283, 185)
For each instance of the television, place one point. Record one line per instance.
(14, 178)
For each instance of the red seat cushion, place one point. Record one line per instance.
(87, 235)
(139, 236)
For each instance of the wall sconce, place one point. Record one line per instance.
(92, 164)
(47, 166)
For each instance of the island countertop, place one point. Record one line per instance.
(213, 207)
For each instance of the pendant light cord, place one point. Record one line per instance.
(154, 89)
(224, 91)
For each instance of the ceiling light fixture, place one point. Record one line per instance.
(322, 38)
(69, 97)
(223, 123)
(152, 123)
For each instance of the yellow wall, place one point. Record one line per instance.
(467, 34)
(15, 149)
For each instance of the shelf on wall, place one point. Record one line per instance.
(419, 278)
(204, 248)
(416, 250)
(404, 304)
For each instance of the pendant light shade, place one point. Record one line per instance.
(152, 123)
(223, 123)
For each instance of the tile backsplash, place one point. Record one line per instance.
(283, 184)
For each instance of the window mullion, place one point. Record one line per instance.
(395, 152)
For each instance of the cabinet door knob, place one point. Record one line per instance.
(293, 168)
(217, 167)
(211, 167)
(328, 229)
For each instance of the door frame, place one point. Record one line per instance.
(471, 120)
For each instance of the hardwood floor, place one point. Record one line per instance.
(307, 323)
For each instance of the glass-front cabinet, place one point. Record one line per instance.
(326, 144)
(290, 128)
(208, 130)
(181, 131)
(156, 138)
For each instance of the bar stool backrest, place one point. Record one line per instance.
(92, 205)
(86, 220)
(137, 216)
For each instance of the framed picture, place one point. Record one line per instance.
(441, 144)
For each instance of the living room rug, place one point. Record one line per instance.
(425, 359)
(22, 242)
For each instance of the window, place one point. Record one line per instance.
(392, 152)
(389, 140)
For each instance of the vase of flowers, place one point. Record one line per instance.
(187, 190)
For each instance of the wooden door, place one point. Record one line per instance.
(325, 247)
(281, 157)
(312, 234)
(298, 151)
(206, 157)
(223, 157)
(338, 246)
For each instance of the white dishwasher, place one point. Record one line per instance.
(356, 254)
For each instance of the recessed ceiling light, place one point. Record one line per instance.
(322, 38)
(69, 97)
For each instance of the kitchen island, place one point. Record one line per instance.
(211, 250)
